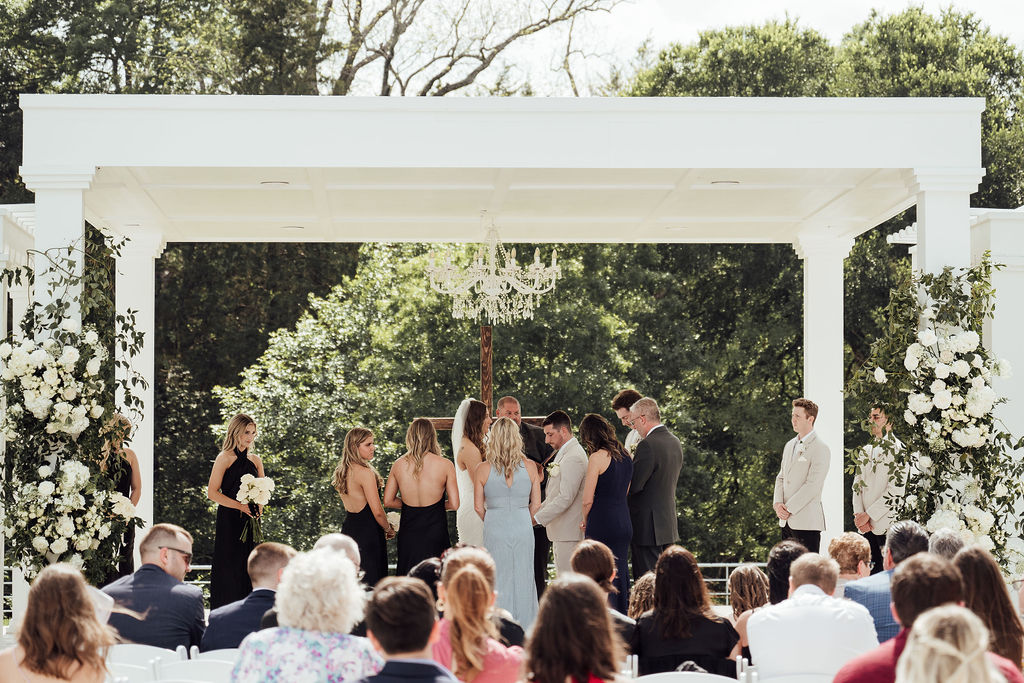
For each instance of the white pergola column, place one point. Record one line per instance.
(136, 293)
(823, 258)
(943, 216)
(59, 224)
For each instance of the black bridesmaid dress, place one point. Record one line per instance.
(609, 523)
(126, 553)
(229, 579)
(422, 533)
(373, 545)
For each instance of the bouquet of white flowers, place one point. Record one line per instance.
(254, 491)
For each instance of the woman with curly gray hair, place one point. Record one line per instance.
(318, 602)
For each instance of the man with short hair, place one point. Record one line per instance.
(652, 490)
(540, 452)
(811, 632)
(920, 583)
(874, 487)
(904, 539)
(173, 610)
(621, 403)
(561, 513)
(798, 487)
(945, 543)
(231, 623)
(401, 622)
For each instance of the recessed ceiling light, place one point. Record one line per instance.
(131, 225)
(725, 182)
(293, 227)
(274, 183)
(678, 227)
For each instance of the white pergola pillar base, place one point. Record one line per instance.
(136, 298)
(823, 258)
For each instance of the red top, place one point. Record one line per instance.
(879, 665)
(501, 664)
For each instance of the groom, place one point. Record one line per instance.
(805, 461)
(562, 510)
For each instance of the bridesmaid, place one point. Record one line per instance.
(417, 486)
(229, 578)
(359, 485)
(605, 512)
(469, 454)
(128, 483)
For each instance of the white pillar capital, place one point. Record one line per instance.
(945, 179)
(943, 215)
(143, 244)
(811, 246)
(38, 178)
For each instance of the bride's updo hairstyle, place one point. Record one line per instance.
(236, 427)
(350, 458)
(948, 644)
(420, 439)
(476, 413)
(505, 446)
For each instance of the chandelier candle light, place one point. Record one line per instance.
(497, 288)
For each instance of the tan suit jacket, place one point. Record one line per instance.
(873, 486)
(562, 510)
(800, 482)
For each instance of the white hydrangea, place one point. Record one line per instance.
(941, 371)
(927, 337)
(980, 401)
(122, 505)
(40, 544)
(961, 368)
(919, 403)
(942, 399)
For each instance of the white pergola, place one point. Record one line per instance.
(813, 173)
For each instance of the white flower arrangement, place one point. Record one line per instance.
(394, 519)
(254, 491)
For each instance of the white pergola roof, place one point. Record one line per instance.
(208, 168)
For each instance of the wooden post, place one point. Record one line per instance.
(486, 378)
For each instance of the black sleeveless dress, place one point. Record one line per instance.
(422, 533)
(373, 546)
(229, 580)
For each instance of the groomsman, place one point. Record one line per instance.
(652, 491)
(562, 512)
(873, 486)
(537, 450)
(621, 404)
(801, 478)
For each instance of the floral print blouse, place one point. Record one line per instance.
(293, 655)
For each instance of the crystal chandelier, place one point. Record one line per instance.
(496, 287)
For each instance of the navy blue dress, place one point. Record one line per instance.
(609, 523)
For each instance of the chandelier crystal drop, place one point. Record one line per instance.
(494, 285)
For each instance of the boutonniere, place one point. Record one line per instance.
(553, 469)
(800, 448)
(632, 449)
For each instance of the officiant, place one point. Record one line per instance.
(538, 451)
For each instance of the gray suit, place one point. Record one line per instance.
(652, 497)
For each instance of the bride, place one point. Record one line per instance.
(468, 429)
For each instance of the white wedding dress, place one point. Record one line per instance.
(467, 522)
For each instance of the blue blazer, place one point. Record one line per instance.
(231, 623)
(873, 592)
(411, 671)
(172, 611)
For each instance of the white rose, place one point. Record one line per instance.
(961, 368)
(977, 361)
(919, 403)
(924, 462)
(46, 488)
(5, 350)
(69, 393)
(942, 399)
(70, 356)
(1001, 490)
(969, 341)
(59, 547)
(45, 471)
(70, 325)
(91, 337)
(96, 412)
(941, 371)
(928, 313)
(937, 386)
(927, 337)
(40, 544)
(946, 356)
(92, 367)
(880, 376)
(909, 417)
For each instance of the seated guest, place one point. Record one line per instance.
(573, 638)
(919, 583)
(682, 626)
(748, 591)
(902, 540)
(60, 637)
(780, 557)
(467, 642)
(429, 572)
(945, 543)
(401, 622)
(641, 596)
(811, 632)
(986, 595)
(853, 553)
(171, 612)
(233, 622)
(947, 644)
(318, 602)
(595, 559)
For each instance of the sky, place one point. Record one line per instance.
(614, 37)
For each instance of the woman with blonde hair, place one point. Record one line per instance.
(573, 641)
(229, 579)
(641, 596)
(124, 470)
(467, 643)
(948, 644)
(417, 485)
(506, 496)
(60, 638)
(748, 590)
(359, 485)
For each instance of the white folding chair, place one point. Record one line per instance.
(140, 655)
(228, 654)
(121, 672)
(683, 677)
(211, 670)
